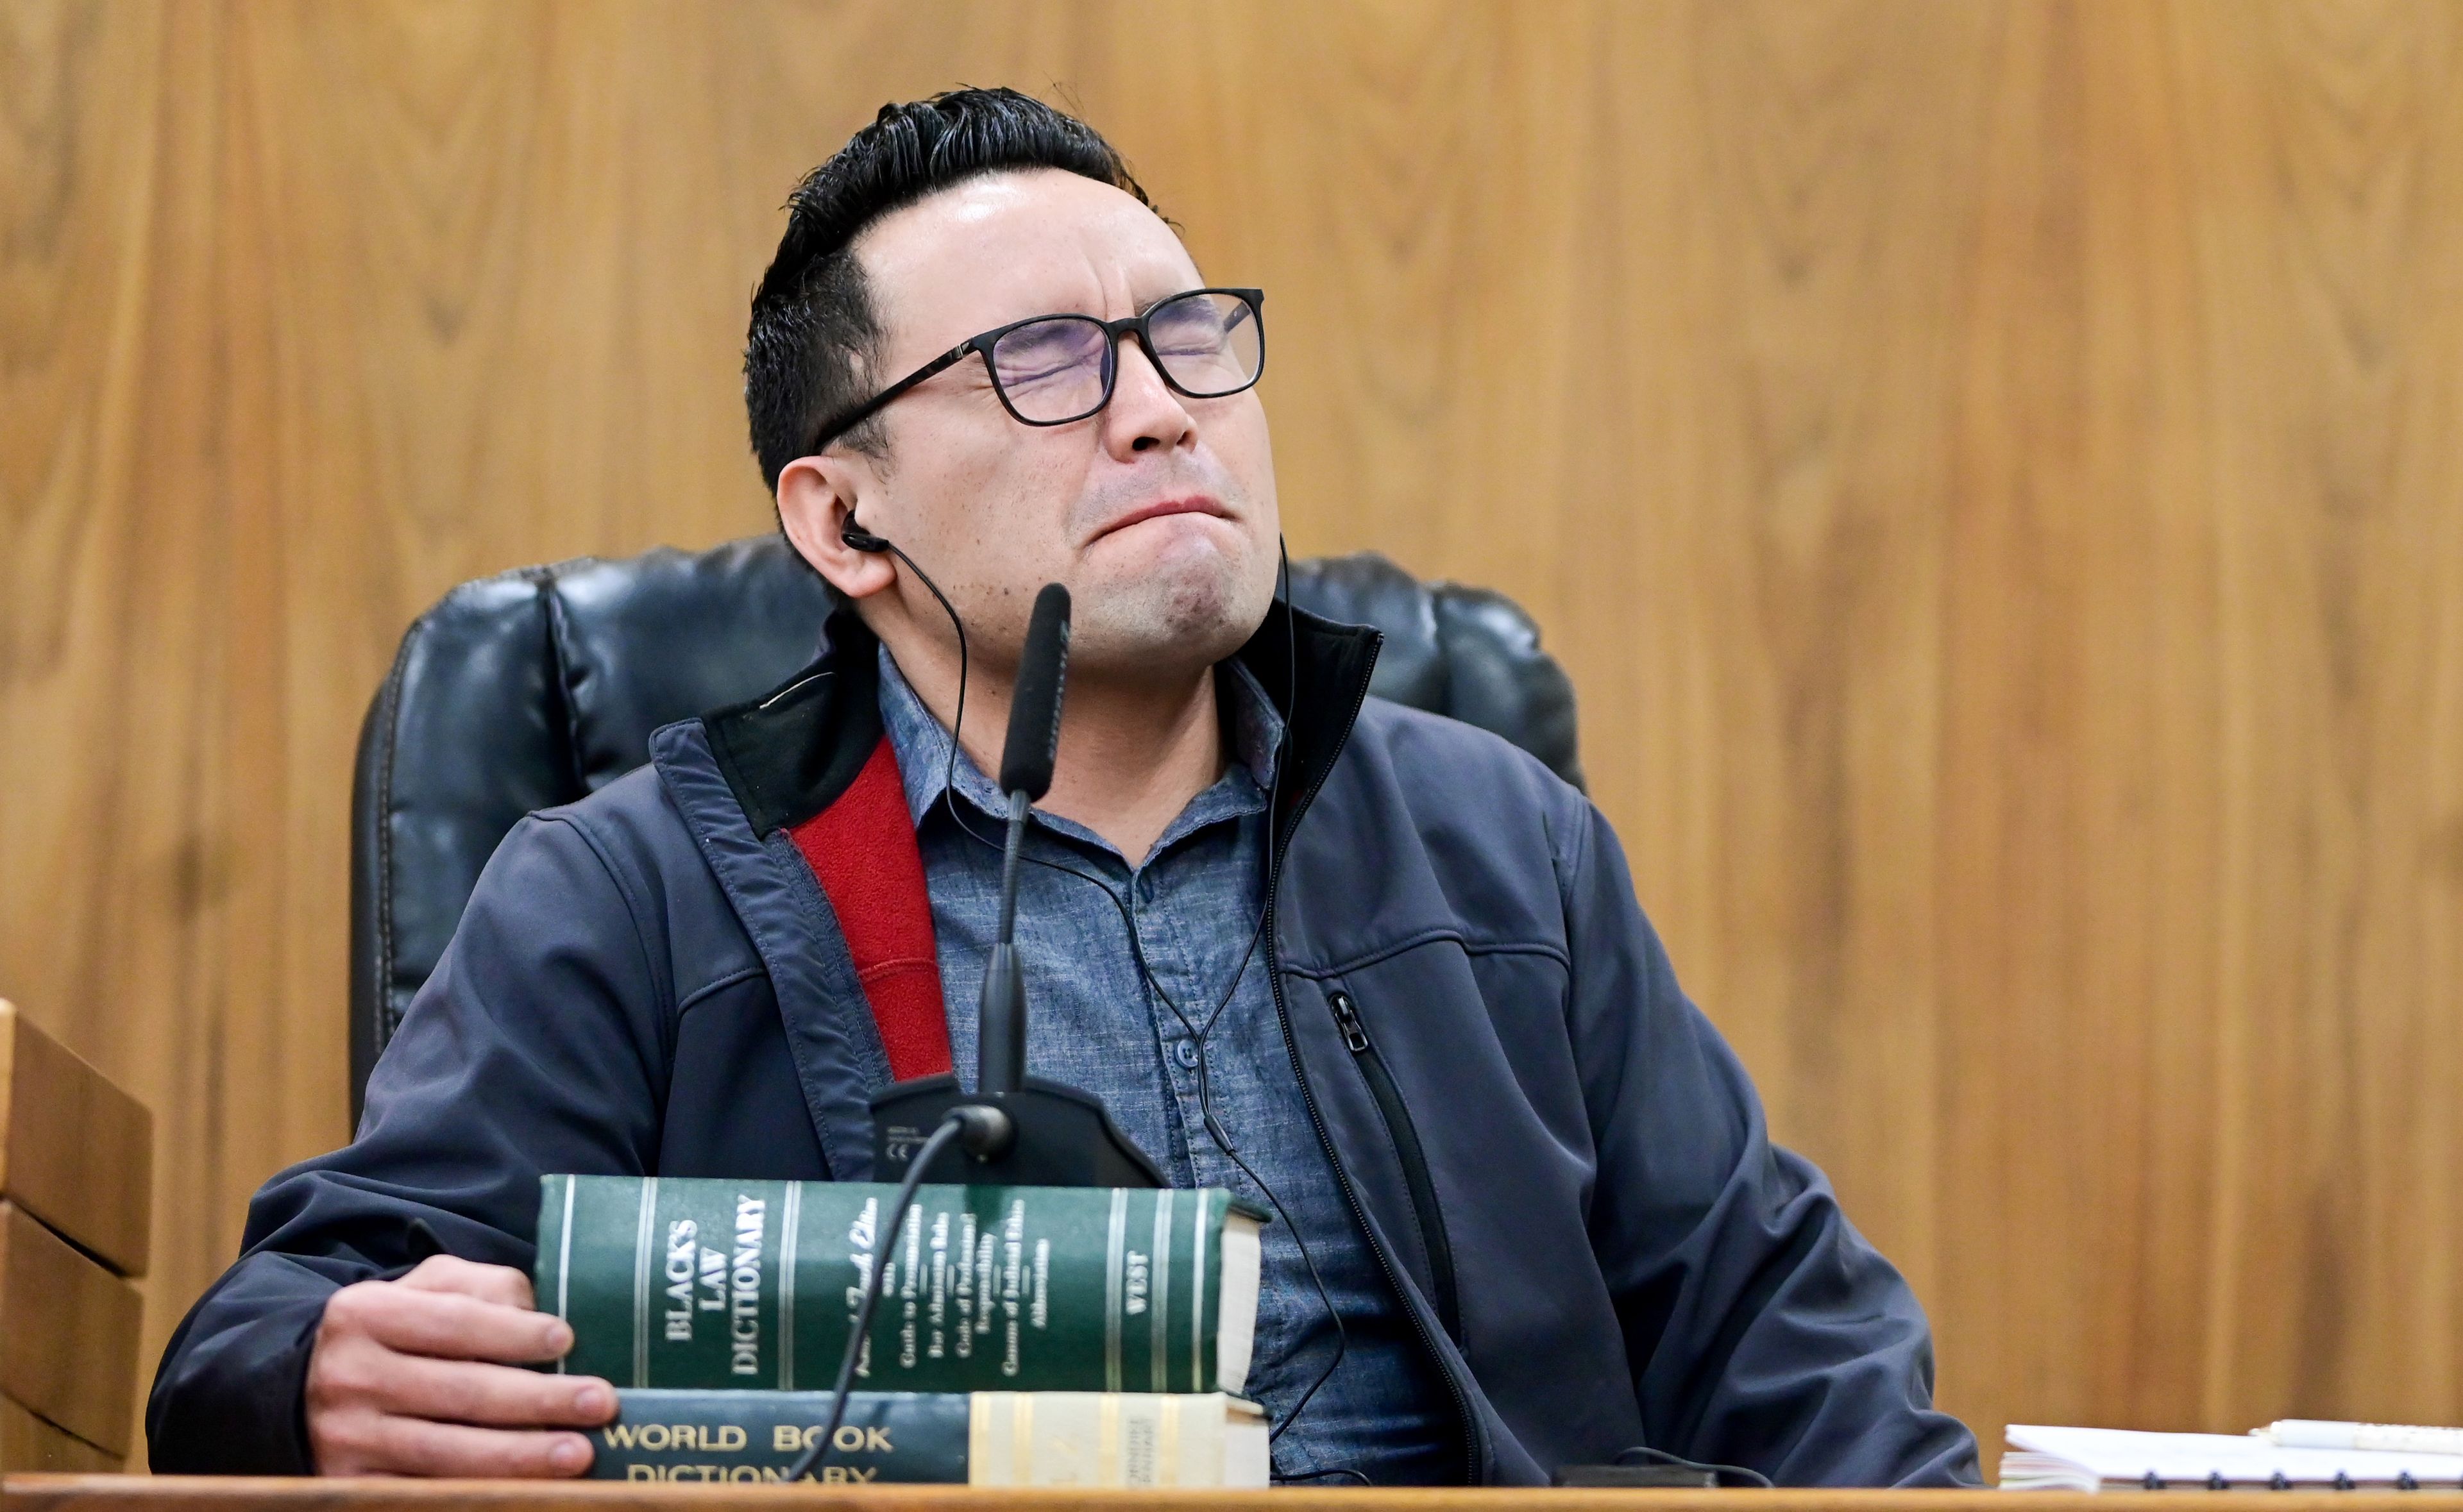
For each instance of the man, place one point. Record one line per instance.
(1374, 968)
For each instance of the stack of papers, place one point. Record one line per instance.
(2042, 1459)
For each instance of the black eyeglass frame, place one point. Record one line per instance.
(1113, 330)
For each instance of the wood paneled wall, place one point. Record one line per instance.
(1996, 472)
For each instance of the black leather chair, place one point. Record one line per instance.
(538, 686)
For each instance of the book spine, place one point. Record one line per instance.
(757, 1436)
(986, 1438)
(707, 1283)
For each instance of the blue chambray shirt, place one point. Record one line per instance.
(1096, 1023)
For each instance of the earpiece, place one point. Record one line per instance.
(857, 539)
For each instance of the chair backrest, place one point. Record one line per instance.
(538, 686)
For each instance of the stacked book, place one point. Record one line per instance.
(76, 1195)
(1025, 1335)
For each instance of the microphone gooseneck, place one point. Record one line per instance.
(1027, 758)
(1020, 1130)
(1059, 1136)
(1013, 845)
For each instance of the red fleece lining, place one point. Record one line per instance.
(862, 849)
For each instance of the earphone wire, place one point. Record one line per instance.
(859, 1327)
(1198, 1036)
(957, 725)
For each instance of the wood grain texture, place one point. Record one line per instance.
(74, 1151)
(67, 1332)
(27, 1444)
(1990, 469)
(62, 1492)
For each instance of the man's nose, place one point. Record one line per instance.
(1145, 414)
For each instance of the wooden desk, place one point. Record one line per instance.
(204, 1494)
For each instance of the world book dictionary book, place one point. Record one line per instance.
(985, 1438)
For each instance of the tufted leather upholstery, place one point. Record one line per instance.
(538, 686)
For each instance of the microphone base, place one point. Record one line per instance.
(1065, 1138)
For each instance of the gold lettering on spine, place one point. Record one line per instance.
(744, 1286)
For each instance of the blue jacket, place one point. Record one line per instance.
(1561, 1165)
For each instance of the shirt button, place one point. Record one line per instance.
(1186, 1052)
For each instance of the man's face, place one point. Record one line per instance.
(1158, 513)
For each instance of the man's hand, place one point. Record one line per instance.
(419, 1378)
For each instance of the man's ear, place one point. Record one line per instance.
(817, 504)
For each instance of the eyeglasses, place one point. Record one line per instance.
(1053, 370)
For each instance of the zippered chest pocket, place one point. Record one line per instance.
(1405, 1135)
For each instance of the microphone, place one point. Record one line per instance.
(1033, 742)
(1027, 758)
(1018, 1129)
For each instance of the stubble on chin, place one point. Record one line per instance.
(1178, 619)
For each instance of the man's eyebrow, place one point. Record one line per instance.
(1167, 298)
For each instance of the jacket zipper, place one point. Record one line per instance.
(1467, 1422)
(1406, 1146)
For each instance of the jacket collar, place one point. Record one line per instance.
(1253, 738)
(792, 752)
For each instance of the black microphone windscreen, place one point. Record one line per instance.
(1034, 712)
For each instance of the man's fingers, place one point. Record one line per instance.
(409, 1446)
(452, 1327)
(493, 1395)
(394, 1386)
(501, 1284)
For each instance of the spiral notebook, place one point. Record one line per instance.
(2042, 1459)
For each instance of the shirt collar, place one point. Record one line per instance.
(921, 743)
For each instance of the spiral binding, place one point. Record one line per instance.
(2403, 1481)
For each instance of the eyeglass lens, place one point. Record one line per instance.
(1059, 369)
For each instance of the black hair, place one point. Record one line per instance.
(814, 339)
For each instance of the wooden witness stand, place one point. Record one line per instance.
(39, 1493)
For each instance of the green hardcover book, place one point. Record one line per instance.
(985, 1438)
(699, 1283)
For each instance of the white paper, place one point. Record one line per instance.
(2186, 1461)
